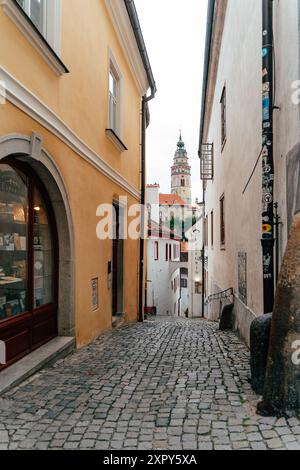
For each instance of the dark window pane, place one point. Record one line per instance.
(13, 243)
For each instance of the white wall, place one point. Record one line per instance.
(159, 293)
(240, 69)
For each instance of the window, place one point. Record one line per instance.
(182, 182)
(184, 283)
(40, 23)
(198, 288)
(113, 100)
(36, 10)
(206, 231)
(212, 228)
(170, 252)
(222, 221)
(223, 117)
(156, 251)
(167, 252)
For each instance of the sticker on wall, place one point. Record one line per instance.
(265, 52)
(265, 32)
(268, 198)
(266, 87)
(267, 169)
(266, 228)
(267, 125)
(266, 108)
(267, 178)
(267, 263)
(265, 151)
(266, 219)
(265, 72)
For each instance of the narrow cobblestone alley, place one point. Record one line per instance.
(165, 384)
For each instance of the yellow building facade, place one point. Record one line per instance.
(73, 80)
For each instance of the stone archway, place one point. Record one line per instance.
(31, 151)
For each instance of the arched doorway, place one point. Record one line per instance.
(28, 261)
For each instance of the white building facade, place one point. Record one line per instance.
(163, 273)
(232, 126)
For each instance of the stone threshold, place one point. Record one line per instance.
(47, 354)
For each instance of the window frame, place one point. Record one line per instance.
(44, 15)
(156, 251)
(114, 70)
(223, 103)
(48, 44)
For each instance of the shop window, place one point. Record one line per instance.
(42, 254)
(28, 262)
(13, 243)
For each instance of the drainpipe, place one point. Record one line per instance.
(267, 157)
(145, 119)
(203, 254)
(135, 24)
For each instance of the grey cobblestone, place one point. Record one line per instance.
(173, 384)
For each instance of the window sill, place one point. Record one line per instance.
(15, 12)
(110, 133)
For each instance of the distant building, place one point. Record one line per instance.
(181, 173)
(163, 270)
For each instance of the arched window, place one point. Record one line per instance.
(182, 182)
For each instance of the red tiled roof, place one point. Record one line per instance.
(171, 200)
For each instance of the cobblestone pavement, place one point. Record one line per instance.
(168, 384)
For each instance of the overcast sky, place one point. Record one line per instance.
(174, 32)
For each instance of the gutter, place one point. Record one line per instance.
(135, 23)
(209, 31)
(145, 120)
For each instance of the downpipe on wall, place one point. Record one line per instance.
(267, 156)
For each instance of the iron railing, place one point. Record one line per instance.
(225, 294)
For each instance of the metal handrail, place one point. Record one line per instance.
(220, 295)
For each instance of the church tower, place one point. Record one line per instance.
(181, 173)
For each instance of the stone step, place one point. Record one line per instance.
(47, 354)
